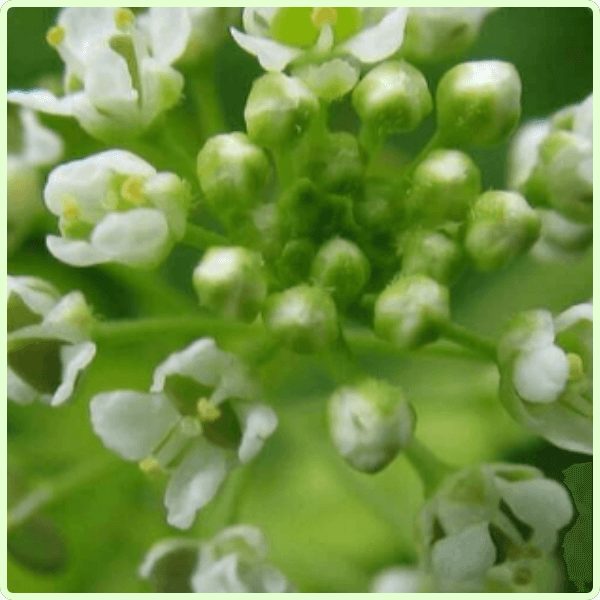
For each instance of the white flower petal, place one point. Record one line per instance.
(257, 21)
(524, 151)
(464, 556)
(162, 87)
(139, 237)
(18, 390)
(258, 422)
(195, 482)
(132, 423)
(541, 376)
(331, 80)
(397, 580)
(169, 193)
(38, 295)
(380, 41)
(43, 101)
(246, 536)
(271, 55)
(542, 504)
(75, 358)
(201, 361)
(77, 253)
(219, 577)
(41, 146)
(162, 549)
(574, 314)
(169, 30)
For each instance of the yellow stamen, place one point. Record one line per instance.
(576, 371)
(70, 209)
(150, 466)
(321, 15)
(123, 18)
(132, 190)
(55, 35)
(208, 412)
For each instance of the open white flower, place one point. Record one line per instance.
(199, 421)
(234, 561)
(546, 370)
(48, 341)
(115, 207)
(118, 79)
(335, 39)
(488, 516)
(31, 147)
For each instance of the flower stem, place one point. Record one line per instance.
(429, 467)
(200, 238)
(468, 339)
(203, 91)
(49, 493)
(192, 323)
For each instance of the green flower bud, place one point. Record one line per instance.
(303, 318)
(232, 171)
(341, 267)
(337, 165)
(295, 261)
(478, 103)
(231, 281)
(563, 177)
(370, 423)
(279, 110)
(408, 311)
(489, 516)
(433, 254)
(445, 185)
(502, 225)
(392, 97)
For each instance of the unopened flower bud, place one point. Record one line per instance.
(232, 171)
(392, 97)
(409, 310)
(341, 267)
(433, 254)
(303, 318)
(295, 260)
(502, 225)
(434, 34)
(370, 423)
(231, 281)
(445, 185)
(279, 110)
(478, 103)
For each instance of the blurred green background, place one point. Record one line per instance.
(330, 528)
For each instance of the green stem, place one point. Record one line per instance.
(468, 339)
(430, 469)
(200, 238)
(49, 493)
(203, 91)
(173, 147)
(190, 323)
(286, 170)
(406, 180)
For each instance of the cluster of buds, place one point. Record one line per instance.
(234, 561)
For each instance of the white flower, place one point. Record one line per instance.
(546, 375)
(282, 37)
(199, 421)
(496, 514)
(398, 580)
(115, 207)
(30, 148)
(234, 561)
(116, 81)
(440, 33)
(48, 341)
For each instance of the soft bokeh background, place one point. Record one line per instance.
(330, 528)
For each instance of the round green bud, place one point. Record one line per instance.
(445, 185)
(478, 103)
(279, 110)
(409, 310)
(294, 263)
(337, 165)
(232, 171)
(501, 226)
(341, 267)
(303, 318)
(370, 423)
(433, 254)
(392, 97)
(231, 282)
